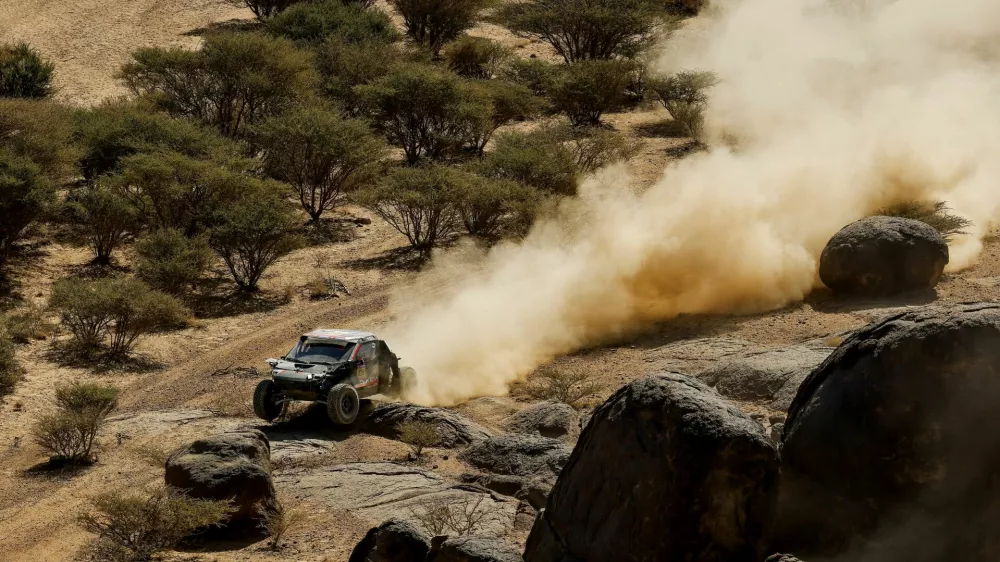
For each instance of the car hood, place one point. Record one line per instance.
(286, 368)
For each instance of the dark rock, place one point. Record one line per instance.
(392, 541)
(473, 549)
(546, 419)
(230, 466)
(773, 375)
(782, 558)
(898, 433)
(666, 470)
(777, 431)
(519, 455)
(535, 491)
(454, 430)
(883, 256)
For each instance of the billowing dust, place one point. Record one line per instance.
(826, 110)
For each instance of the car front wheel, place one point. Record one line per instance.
(267, 401)
(343, 404)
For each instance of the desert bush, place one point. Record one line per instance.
(505, 102)
(588, 29)
(314, 22)
(265, 9)
(424, 110)
(25, 194)
(26, 324)
(685, 96)
(133, 526)
(40, 131)
(171, 190)
(24, 73)
(418, 203)
(562, 385)
(418, 435)
(278, 519)
(459, 517)
(69, 433)
(432, 23)
(10, 369)
(117, 129)
(596, 147)
(325, 285)
(117, 310)
(535, 159)
(171, 262)
(321, 155)
(586, 90)
(936, 214)
(685, 7)
(535, 74)
(475, 57)
(490, 208)
(234, 80)
(342, 66)
(252, 234)
(107, 219)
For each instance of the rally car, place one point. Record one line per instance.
(333, 367)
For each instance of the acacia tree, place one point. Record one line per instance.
(588, 29)
(24, 195)
(265, 9)
(235, 80)
(321, 155)
(432, 23)
(24, 73)
(685, 96)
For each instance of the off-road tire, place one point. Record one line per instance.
(343, 404)
(404, 383)
(265, 401)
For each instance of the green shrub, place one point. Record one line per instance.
(115, 130)
(595, 147)
(342, 66)
(475, 57)
(252, 234)
(506, 102)
(24, 73)
(25, 194)
(586, 90)
(432, 23)
(265, 9)
(116, 311)
(490, 208)
(26, 324)
(535, 74)
(235, 80)
(418, 203)
(10, 369)
(321, 155)
(424, 110)
(314, 22)
(171, 262)
(588, 29)
(418, 435)
(133, 526)
(107, 219)
(69, 433)
(685, 97)
(42, 132)
(933, 213)
(535, 159)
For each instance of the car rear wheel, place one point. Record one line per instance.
(343, 404)
(267, 401)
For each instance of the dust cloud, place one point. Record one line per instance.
(825, 111)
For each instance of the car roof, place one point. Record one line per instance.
(337, 334)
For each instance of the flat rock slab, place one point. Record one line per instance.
(771, 374)
(287, 450)
(377, 491)
(691, 356)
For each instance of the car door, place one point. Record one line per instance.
(368, 369)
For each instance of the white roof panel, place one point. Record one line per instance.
(337, 334)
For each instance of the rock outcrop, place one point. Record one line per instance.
(473, 549)
(898, 433)
(231, 466)
(772, 375)
(518, 455)
(666, 470)
(546, 419)
(454, 430)
(392, 541)
(883, 256)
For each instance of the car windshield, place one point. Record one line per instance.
(312, 351)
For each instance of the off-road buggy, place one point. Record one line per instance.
(333, 367)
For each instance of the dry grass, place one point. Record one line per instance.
(569, 386)
(933, 213)
(279, 519)
(458, 517)
(418, 435)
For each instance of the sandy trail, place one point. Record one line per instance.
(90, 39)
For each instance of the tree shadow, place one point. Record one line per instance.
(404, 259)
(332, 230)
(661, 129)
(95, 270)
(234, 25)
(217, 298)
(68, 354)
(824, 300)
(57, 470)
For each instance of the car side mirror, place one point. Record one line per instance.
(272, 362)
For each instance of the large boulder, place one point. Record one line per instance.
(233, 466)
(546, 419)
(666, 470)
(392, 541)
(773, 375)
(473, 549)
(519, 455)
(454, 430)
(896, 434)
(883, 256)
